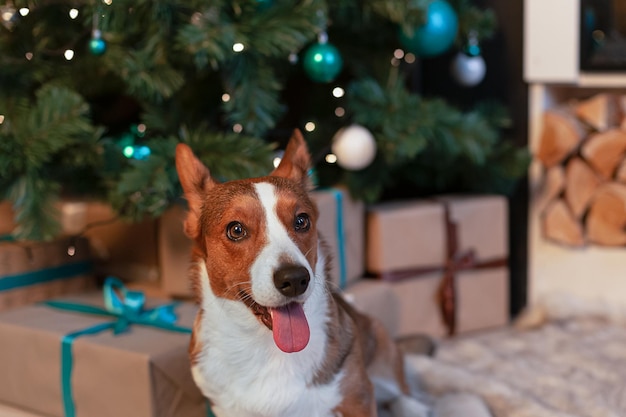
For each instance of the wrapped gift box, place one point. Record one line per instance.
(408, 235)
(452, 245)
(142, 372)
(35, 271)
(483, 302)
(121, 248)
(376, 299)
(124, 249)
(341, 224)
(7, 223)
(174, 249)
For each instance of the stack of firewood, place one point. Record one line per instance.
(582, 149)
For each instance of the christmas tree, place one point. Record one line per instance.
(94, 96)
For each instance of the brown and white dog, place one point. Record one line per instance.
(272, 337)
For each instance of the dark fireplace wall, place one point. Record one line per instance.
(503, 82)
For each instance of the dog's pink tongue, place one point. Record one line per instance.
(290, 328)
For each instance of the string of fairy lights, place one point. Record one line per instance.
(321, 61)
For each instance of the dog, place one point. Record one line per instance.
(272, 337)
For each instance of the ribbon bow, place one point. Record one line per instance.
(128, 307)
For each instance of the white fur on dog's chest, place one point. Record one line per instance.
(243, 372)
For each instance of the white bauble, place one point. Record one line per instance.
(468, 70)
(354, 147)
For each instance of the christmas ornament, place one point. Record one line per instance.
(354, 147)
(468, 70)
(322, 61)
(468, 67)
(436, 35)
(97, 45)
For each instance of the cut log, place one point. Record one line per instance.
(601, 111)
(606, 221)
(621, 102)
(551, 187)
(560, 225)
(605, 151)
(581, 183)
(620, 175)
(560, 136)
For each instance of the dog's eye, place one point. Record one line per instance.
(235, 231)
(302, 222)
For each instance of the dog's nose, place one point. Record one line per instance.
(291, 280)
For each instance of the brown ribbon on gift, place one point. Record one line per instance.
(455, 261)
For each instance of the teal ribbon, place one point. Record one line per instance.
(126, 307)
(26, 279)
(341, 239)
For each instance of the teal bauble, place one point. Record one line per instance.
(97, 46)
(435, 36)
(322, 62)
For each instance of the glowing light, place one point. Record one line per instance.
(338, 92)
(340, 112)
(398, 53)
(238, 47)
(1, 118)
(409, 58)
(128, 151)
(309, 126)
(318, 57)
(73, 13)
(196, 18)
(395, 61)
(107, 2)
(276, 161)
(225, 97)
(331, 158)
(71, 250)
(141, 128)
(29, 55)
(237, 128)
(7, 16)
(68, 54)
(24, 11)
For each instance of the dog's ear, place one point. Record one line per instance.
(196, 180)
(296, 160)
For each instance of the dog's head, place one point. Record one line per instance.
(257, 238)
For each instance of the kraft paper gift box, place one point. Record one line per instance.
(482, 302)
(407, 235)
(174, 252)
(124, 249)
(342, 226)
(142, 372)
(7, 223)
(121, 248)
(428, 247)
(35, 271)
(376, 299)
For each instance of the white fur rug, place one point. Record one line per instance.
(563, 358)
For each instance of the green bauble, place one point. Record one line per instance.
(322, 62)
(97, 46)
